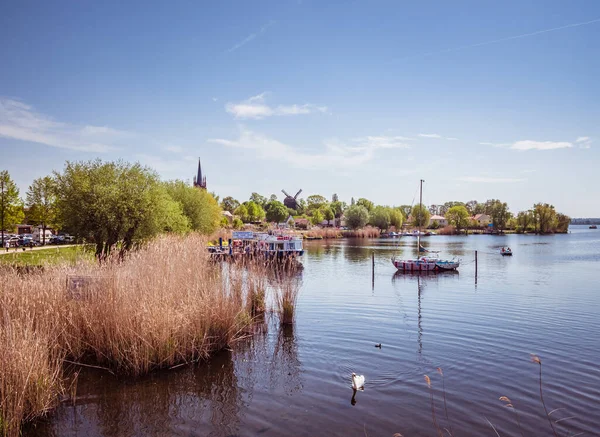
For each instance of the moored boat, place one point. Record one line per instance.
(506, 251)
(424, 263)
(593, 227)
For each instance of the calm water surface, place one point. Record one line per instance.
(296, 381)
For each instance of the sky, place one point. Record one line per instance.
(360, 98)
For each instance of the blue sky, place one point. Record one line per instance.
(362, 98)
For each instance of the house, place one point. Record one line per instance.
(482, 219)
(302, 223)
(227, 215)
(24, 229)
(441, 220)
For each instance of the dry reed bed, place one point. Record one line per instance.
(164, 305)
(367, 232)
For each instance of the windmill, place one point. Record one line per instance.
(289, 201)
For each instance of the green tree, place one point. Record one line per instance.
(11, 206)
(525, 220)
(301, 206)
(273, 197)
(316, 201)
(458, 216)
(405, 210)
(255, 212)
(41, 201)
(237, 223)
(317, 217)
(338, 208)
(242, 212)
(110, 203)
(229, 204)
(335, 198)
(327, 214)
(499, 212)
(396, 218)
(259, 200)
(380, 217)
(366, 203)
(471, 206)
(199, 206)
(276, 211)
(420, 216)
(545, 217)
(356, 216)
(562, 222)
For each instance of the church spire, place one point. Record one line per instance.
(199, 180)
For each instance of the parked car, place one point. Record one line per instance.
(13, 241)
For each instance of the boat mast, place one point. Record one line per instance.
(420, 214)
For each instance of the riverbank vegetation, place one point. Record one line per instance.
(163, 305)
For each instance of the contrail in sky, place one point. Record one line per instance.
(524, 35)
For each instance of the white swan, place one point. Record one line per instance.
(358, 382)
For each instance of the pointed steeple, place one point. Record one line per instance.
(199, 180)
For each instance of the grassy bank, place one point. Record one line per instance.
(50, 255)
(164, 305)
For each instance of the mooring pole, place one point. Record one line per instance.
(373, 269)
(475, 266)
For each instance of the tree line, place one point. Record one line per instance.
(112, 204)
(118, 204)
(541, 218)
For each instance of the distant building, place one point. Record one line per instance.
(302, 223)
(24, 229)
(199, 180)
(482, 219)
(442, 221)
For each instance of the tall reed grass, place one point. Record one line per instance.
(367, 232)
(325, 233)
(162, 306)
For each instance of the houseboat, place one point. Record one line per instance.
(270, 244)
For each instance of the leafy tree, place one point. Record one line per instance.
(545, 217)
(301, 206)
(317, 217)
(242, 212)
(525, 220)
(292, 212)
(562, 222)
(458, 216)
(273, 197)
(41, 201)
(229, 204)
(316, 201)
(111, 202)
(366, 203)
(258, 199)
(433, 209)
(170, 216)
(396, 218)
(276, 211)
(11, 206)
(335, 198)
(357, 217)
(199, 206)
(224, 222)
(434, 225)
(255, 212)
(380, 217)
(328, 214)
(406, 210)
(352, 202)
(420, 216)
(237, 223)
(499, 212)
(338, 208)
(471, 206)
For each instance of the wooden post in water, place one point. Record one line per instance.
(373, 265)
(475, 266)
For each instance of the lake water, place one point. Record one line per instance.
(296, 381)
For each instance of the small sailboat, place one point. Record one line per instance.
(423, 263)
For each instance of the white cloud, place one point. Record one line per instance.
(20, 121)
(540, 145)
(256, 108)
(582, 139)
(335, 154)
(452, 139)
(430, 135)
(250, 37)
(490, 180)
(214, 99)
